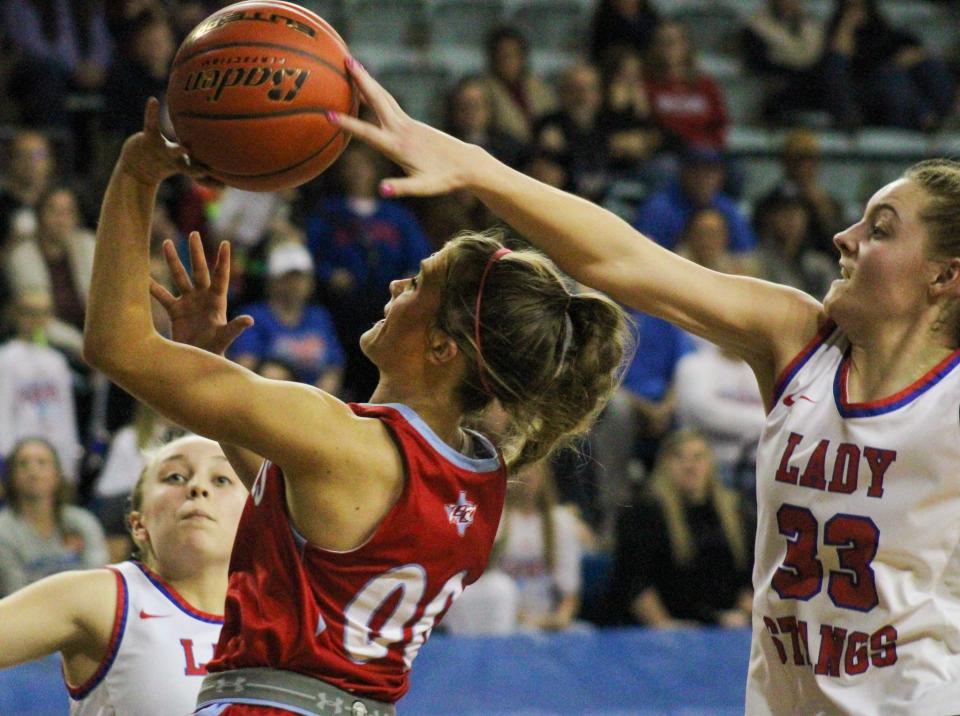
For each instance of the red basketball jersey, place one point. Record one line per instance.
(357, 619)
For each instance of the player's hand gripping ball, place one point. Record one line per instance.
(248, 93)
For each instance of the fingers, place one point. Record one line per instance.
(421, 185)
(151, 117)
(221, 269)
(163, 296)
(230, 332)
(380, 101)
(198, 262)
(177, 271)
(369, 133)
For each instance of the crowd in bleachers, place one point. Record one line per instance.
(742, 134)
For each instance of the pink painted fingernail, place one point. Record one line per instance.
(387, 189)
(332, 117)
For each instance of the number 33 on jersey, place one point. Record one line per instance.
(857, 569)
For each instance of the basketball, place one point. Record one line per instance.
(249, 89)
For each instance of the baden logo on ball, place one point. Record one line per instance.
(249, 90)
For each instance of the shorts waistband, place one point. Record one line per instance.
(289, 690)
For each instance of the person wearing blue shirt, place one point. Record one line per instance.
(361, 243)
(665, 214)
(288, 328)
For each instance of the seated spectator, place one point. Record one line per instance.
(40, 534)
(469, 117)
(717, 395)
(784, 254)
(124, 463)
(541, 550)
(517, 96)
(684, 547)
(36, 386)
(63, 46)
(884, 74)
(139, 71)
(685, 102)
(534, 574)
(57, 260)
(664, 216)
(640, 413)
(28, 176)
(618, 24)
(360, 243)
(633, 137)
(288, 327)
(706, 241)
(800, 159)
(575, 135)
(785, 44)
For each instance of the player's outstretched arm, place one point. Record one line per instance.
(762, 322)
(70, 612)
(294, 425)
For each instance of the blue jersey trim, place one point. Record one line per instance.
(113, 648)
(893, 402)
(800, 360)
(489, 464)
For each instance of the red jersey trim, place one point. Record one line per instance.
(78, 693)
(174, 596)
(799, 360)
(892, 402)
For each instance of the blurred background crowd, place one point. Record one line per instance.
(740, 133)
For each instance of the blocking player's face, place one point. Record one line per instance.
(885, 270)
(190, 506)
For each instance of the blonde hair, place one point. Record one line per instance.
(725, 503)
(940, 216)
(551, 358)
(152, 458)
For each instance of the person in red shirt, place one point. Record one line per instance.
(365, 521)
(684, 101)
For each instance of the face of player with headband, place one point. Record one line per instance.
(408, 328)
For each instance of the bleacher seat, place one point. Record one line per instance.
(389, 23)
(882, 142)
(552, 24)
(419, 88)
(713, 26)
(744, 96)
(330, 10)
(464, 23)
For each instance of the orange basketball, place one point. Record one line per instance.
(249, 89)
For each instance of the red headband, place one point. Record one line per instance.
(481, 363)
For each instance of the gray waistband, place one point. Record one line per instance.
(286, 689)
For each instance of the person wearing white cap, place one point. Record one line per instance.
(288, 327)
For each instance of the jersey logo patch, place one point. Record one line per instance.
(792, 398)
(461, 513)
(145, 615)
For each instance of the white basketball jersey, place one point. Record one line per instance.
(157, 655)
(857, 574)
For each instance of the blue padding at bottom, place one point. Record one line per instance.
(614, 672)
